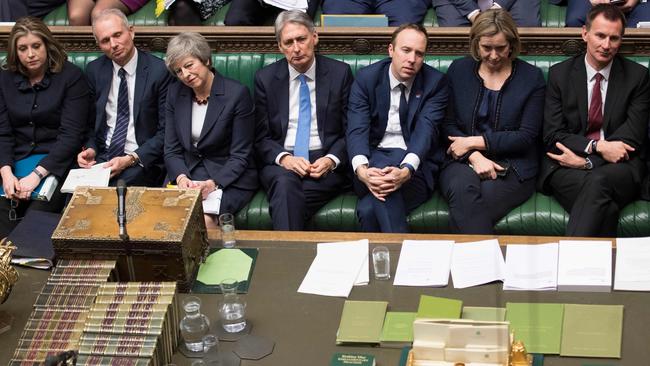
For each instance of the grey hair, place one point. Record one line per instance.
(108, 12)
(187, 44)
(292, 16)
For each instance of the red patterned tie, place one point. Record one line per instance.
(595, 121)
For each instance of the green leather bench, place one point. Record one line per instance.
(540, 215)
(552, 16)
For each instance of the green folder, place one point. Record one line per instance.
(237, 263)
(483, 313)
(439, 308)
(538, 359)
(539, 326)
(592, 330)
(398, 329)
(361, 322)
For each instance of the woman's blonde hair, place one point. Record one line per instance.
(490, 23)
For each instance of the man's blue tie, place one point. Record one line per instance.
(122, 123)
(301, 147)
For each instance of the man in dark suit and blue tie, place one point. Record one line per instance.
(300, 109)
(130, 87)
(396, 106)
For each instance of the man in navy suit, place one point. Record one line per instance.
(396, 106)
(301, 104)
(458, 13)
(397, 11)
(130, 87)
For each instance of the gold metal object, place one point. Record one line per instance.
(519, 356)
(8, 274)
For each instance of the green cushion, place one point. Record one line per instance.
(552, 15)
(58, 16)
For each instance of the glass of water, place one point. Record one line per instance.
(381, 263)
(232, 309)
(227, 224)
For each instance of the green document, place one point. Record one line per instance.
(225, 263)
(398, 327)
(439, 308)
(482, 313)
(539, 326)
(592, 330)
(356, 359)
(361, 322)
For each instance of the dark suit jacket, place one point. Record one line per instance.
(49, 118)
(368, 114)
(465, 7)
(625, 116)
(226, 144)
(520, 108)
(333, 80)
(151, 80)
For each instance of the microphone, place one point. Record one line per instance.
(121, 209)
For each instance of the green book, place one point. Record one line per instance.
(356, 359)
(592, 330)
(361, 322)
(483, 313)
(539, 326)
(398, 329)
(439, 308)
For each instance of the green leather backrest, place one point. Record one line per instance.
(551, 15)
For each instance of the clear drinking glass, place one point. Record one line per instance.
(194, 325)
(211, 350)
(381, 263)
(233, 308)
(227, 224)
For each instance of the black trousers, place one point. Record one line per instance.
(595, 197)
(252, 12)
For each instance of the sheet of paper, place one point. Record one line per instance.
(354, 247)
(288, 4)
(97, 176)
(225, 263)
(531, 267)
(632, 269)
(212, 203)
(477, 263)
(424, 263)
(584, 265)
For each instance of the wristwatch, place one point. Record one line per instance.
(588, 164)
(594, 143)
(409, 167)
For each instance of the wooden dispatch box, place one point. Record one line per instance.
(167, 235)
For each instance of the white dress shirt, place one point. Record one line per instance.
(111, 104)
(294, 109)
(198, 119)
(393, 137)
(591, 80)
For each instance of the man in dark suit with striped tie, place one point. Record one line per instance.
(130, 87)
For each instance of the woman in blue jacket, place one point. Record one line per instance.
(492, 126)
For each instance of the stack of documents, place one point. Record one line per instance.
(96, 176)
(336, 268)
(477, 263)
(632, 269)
(424, 263)
(531, 267)
(585, 266)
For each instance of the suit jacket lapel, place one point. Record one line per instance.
(184, 116)
(215, 105)
(103, 87)
(282, 95)
(579, 83)
(613, 86)
(322, 98)
(415, 98)
(382, 96)
(141, 74)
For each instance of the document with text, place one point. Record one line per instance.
(531, 267)
(424, 263)
(356, 248)
(632, 269)
(584, 265)
(477, 263)
(97, 176)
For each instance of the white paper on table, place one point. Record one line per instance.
(632, 264)
(424, 263)
(212, 203)
(531, 267)
(288, 4)
(476, 263)
(584, 265)
(96, 176)
(354, 248)
(332, 274)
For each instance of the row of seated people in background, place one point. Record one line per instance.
(450, 13)
(396, 128)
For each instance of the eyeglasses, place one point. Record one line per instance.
(13, 216)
